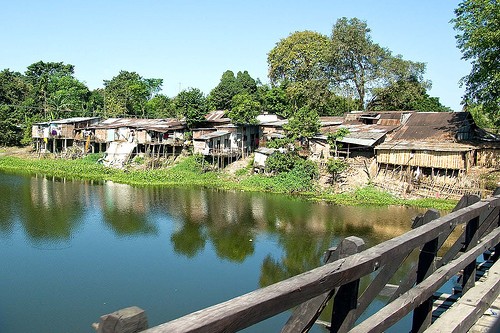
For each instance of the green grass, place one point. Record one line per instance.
(188, 172)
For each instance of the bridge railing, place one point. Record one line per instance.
(338, 280)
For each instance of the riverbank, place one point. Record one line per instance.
(189, 171)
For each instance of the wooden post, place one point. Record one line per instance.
(471, 238)
(346, 299)
(128, 320)
(422, 315)
(305, 315)
(496, 254)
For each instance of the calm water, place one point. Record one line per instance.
(73, 251)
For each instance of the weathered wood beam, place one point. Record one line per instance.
(396, 310)
(422, 316)
(468, 309)
(346, 299)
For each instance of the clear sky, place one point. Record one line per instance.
(191, 43)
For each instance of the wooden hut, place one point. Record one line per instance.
(57, 135)
(436, 140)
(152, 137)
(366, 130)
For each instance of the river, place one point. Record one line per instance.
(72, 251)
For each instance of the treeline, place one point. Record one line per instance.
(311, 75)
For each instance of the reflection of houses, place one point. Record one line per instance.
(57, 135)
(218, 138)
(366, 130)
(436, 140)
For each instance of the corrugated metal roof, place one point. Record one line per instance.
(433, 126)
(367, 139)
(213, 135)
(266, 151)
(278, 123)
(217, 116)
(148, 124)
(424, 145)
(68, 120)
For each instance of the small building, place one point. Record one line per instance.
(57, 135)
(260, 157)
(216, 142)
(271, 129)
(226, 142)
(366, 130)
(126, 137)
(435, 140)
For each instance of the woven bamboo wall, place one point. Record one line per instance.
(488, 157)
(424, 158)
(67, 130)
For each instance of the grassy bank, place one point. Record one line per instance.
(188, 172)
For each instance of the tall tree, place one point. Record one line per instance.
(407, 94)
(300, 57)
(221, 96)
(13, 93)
(478, 26)
(246, 82)
(303, 124)
(356, 61)
(160, 106)
(128, 93)
(245, 109)
(54, 88)
(274, 100)
(191, 104)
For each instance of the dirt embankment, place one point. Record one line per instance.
(16, 151)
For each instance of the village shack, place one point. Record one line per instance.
(225, 142)
(127, 137)
(270, 129)
(260, 158)
(431, 140)
(366, 130)
(57, 135)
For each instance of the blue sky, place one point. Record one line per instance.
(191, 43)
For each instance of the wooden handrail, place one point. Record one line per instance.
(256, 306)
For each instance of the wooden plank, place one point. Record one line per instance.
(471, 237)
(452, 252)
(393, 312)
(251, 308)
(128, 320)
(468, 309)
(411, 276)
(422, 315)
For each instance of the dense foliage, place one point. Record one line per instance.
(478, 26)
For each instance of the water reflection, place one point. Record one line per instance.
(125, 209)
(148, 243)
(52, 210)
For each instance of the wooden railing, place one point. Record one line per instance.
(339, 279)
